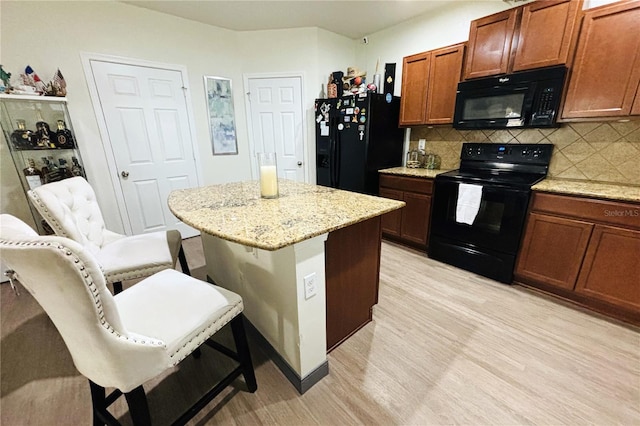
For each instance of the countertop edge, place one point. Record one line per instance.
(286, 242)
(417, 172)
(601, 190)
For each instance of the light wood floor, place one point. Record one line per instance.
(445, 347)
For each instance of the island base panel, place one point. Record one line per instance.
(272, 289)
(352, 262)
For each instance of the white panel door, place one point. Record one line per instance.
(146, 118)
(276, 123)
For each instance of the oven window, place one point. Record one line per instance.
(493, 107)
(490, 216)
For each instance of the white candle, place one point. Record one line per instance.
(268, 181)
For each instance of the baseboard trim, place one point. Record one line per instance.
(301, 384)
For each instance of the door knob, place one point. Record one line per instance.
(299, 163)
(124, 174)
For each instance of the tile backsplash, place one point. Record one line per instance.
(597, 151)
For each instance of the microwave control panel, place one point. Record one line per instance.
(546, 105)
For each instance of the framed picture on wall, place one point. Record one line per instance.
(222, 126)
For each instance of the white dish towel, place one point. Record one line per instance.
(469, 198)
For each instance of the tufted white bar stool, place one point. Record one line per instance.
(123, 341)
(71, 209)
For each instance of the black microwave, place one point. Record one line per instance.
(523, 99)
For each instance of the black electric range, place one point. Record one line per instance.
(479, 211)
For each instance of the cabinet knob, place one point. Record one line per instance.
(299, 163)
(124, 174)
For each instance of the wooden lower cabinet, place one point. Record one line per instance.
(553, 249)
(352, 269)
(611, 270)
(409, 225)
(585, 250)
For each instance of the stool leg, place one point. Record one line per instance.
(183, 261)
(98, 402)
(117, 287)
(242, 347)
(138, 407)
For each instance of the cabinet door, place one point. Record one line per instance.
(611, 270)
(606, 69)
(413, 99)
(490, 44)
(415, 217)
(545, 33)
(391, 221)
(552, 251)
(635, 109)
(444, 76)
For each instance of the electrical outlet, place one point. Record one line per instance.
(421, 144)
(310, 288)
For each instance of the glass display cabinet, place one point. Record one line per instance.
(41, 141)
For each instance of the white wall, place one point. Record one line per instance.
(312, 52)
(118, 29)
(114, 28)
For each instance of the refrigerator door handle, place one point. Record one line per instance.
(337, 159)
(333, 152)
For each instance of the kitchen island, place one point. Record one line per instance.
(306, 263)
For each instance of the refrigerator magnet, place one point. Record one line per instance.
(340, 126)
(347, 118)
(363, 119)
(355, 119)
(318, 118)
(350, 111)
(356, 110)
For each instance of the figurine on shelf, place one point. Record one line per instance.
(57, 86)
(34, 80)
(5, 77)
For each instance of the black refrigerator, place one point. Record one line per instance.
(355, 137)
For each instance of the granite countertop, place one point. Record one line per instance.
(417, 172)
(236, 212)
(611, 191)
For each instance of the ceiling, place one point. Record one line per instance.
(353, 19)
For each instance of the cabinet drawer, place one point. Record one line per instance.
(402, 183)
(602, 211)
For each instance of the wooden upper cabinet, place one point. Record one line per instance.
(413, 99)
(429, 84)
(444, 76)
(606, 68)
(545, 32)
(536, 35)
(490, 44)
